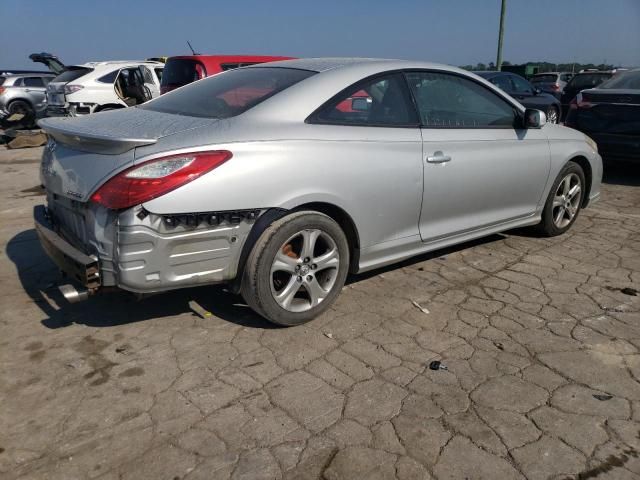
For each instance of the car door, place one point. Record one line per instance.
(480, 168)
(36, 91)
(369, 138)
(152, 87)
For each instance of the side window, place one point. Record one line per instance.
(503, 83)
(452, 101)
(229, 66)
(520, 85)
(146, 73)
(382, 101)
(35, 82)
(109, 77)
(158, 73)
(18, 82)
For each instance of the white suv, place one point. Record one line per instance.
(99, 86)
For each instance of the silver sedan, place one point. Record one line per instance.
(280, 179)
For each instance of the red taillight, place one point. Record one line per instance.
(2, 89)
(152, 179)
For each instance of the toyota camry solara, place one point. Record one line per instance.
(280, 179)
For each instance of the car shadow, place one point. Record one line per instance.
(619, 173)
(441, 253)
(40, 278)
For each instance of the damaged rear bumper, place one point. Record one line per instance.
(81, 267)
(142, 252)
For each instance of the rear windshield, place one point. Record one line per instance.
(544, 78)
(629, 80)
(2, 79)
(181, 71)
(71, 74)
(227, 94)
(588, 80)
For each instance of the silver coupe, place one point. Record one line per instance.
(280, 179)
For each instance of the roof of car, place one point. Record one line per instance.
(18, 73)
(333, 63)
(119, 62)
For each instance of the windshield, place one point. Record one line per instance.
(227, 94)
(589, 80)
(544, 78)
(71, 74)
(630, 80)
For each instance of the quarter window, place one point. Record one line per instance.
(452, 101)
(382, 101)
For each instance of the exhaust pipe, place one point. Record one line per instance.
(72, 294)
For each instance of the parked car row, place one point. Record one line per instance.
(75, 90)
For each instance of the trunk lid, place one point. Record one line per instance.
(83, 152)
(51, 61)
(610, 111)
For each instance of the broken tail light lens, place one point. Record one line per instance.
(157, 177)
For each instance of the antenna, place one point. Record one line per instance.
(193, 52)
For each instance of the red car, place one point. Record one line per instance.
(184, 69)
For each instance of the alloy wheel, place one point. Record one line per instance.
(566, 201)
(304, 270)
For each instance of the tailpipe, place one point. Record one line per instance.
(72, 294)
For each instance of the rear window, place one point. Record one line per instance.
(2, 79)
(182, 71)
(589, 80)
(227, 94)
(628, 80)
(72, 74)
(544, 78)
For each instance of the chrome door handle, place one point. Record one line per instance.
(439, 157)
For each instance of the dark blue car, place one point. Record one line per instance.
(525, 93)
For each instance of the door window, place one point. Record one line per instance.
(146, 73)
(452, 101)
(158, 73)
(521, 86)
(503, 83)
(35, 82)
(381, 101)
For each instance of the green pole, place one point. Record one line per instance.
(501, 35)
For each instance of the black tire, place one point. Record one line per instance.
(552, 112)
(548, 227)
(258, 278)
(25, 108)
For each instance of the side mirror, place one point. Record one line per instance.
(534, 118)
(360, 104)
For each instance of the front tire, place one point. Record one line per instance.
(564, 201)
(552, 114)
(296, 269)
(22, 108)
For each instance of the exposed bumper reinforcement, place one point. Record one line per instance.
(79, 266)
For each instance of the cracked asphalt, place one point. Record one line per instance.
(541, 338)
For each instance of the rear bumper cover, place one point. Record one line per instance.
(142, 252)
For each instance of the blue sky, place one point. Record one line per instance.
(448, 31)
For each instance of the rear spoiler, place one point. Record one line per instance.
(90, 142)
